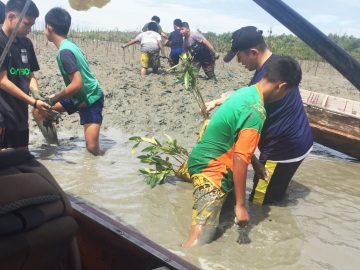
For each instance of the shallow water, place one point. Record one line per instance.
(317, 227)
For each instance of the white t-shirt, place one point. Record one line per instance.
(149, 41)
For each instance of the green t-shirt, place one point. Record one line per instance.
(91, 91)
(234, 128)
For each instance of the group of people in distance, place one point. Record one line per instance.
(267, 114)
(82, 92)
(180, 40)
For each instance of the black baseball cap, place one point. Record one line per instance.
(243, 39)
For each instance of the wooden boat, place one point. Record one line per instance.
(105, 244)
(43, 228)
(335, 121)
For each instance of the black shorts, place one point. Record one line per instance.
(15, 139)
(273, 190)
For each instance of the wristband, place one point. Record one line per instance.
(35, 103)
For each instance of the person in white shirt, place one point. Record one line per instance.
(150, 46)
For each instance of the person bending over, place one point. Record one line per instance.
(82, 93)
(218, 163)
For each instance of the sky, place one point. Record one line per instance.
(330, 16)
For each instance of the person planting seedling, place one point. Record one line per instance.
(82, 92)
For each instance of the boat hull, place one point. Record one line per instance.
(335, 130)
(105, 243)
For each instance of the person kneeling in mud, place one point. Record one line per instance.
(82, 92)
(218, 163)
(150, 42)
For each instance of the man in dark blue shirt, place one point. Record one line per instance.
(286, 138)
(175, 42)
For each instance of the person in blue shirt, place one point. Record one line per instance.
(286, 138)
(175, 42)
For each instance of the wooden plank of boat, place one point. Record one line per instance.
(106, 244)
(331, 103)
(335, 121)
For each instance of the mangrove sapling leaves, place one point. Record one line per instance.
(151, 149)
(188, 78)
(137, 141)
(165, 158)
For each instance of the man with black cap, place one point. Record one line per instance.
(219, 161)
(286, 138)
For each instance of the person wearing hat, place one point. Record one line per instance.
(219, 161)
(202, 51)
(286, 138)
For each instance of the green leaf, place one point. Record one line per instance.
(135, 138)
(149, 140)
(186, 80)
(150, 149)
(160, 156)
(135, 146)
(169, 139)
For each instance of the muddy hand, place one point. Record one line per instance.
(53, 99)
(43, 112)
(261, 171)
(42, 106)
(243, 235)
(242, 217)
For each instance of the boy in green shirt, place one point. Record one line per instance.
(218, 163)
(82, 92)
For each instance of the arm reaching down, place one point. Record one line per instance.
(240, 172)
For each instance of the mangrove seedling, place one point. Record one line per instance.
(164, 158)
(188, 78)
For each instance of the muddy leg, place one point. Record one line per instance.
(200, 235)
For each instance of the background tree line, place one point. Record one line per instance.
(291, 45)
(285, 44)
